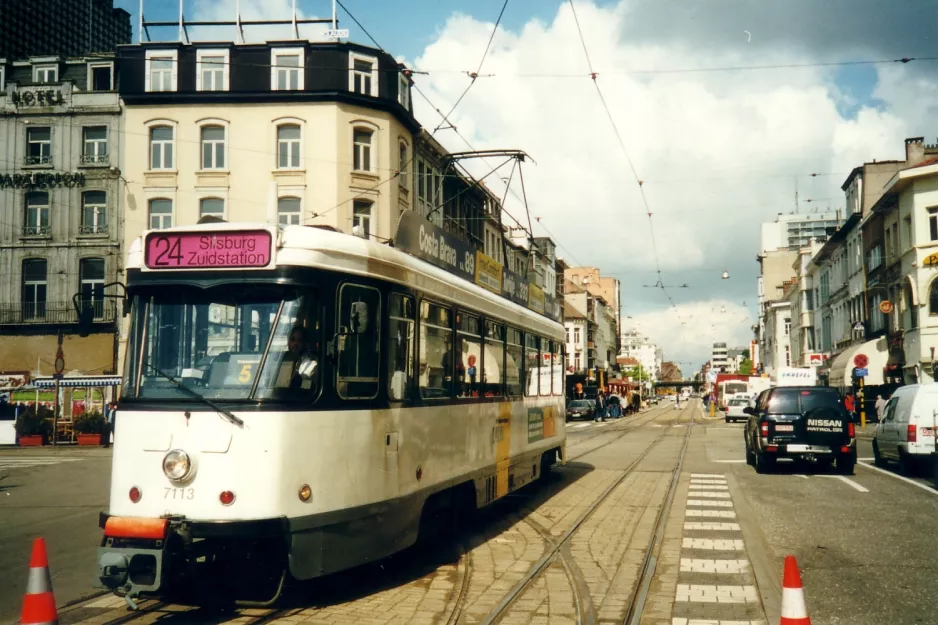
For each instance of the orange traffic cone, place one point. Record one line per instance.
(794, 610)
(39, 603)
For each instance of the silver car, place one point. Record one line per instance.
(734, 410)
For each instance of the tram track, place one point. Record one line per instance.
(558, 549)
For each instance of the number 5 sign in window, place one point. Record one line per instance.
(241, 369)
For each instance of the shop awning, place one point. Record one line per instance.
(876, 352)
(78, 381)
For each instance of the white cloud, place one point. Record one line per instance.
(719, 151)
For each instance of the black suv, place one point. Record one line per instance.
(802, 423)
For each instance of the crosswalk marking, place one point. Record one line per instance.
(712, 514)
(702, 494)
(717, 567)
(706, 593)
(710, 503)
(33, 461)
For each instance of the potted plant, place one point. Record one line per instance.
(32, 428)
(88, 427)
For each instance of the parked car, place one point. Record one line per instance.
(736, 410)
(801, 423)
(581, 409)
(907, 431)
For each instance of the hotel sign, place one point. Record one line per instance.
(38, 97)
(42, 180)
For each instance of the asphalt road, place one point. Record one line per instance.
(867, 545)
(56, 494)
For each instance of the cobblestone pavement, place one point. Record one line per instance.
(596, 573)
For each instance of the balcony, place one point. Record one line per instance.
(37, 231)
(38, 313)
(94, 159)
(92, 229)
(38, 160)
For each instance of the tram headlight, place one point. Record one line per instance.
(176, 465)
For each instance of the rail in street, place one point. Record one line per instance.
(655, 519)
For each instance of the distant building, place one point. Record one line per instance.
(66, 28)
(720, 357)
(799, 229)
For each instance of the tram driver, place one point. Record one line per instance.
(304, 364)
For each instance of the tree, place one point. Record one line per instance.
(637, 373)
(745, 367)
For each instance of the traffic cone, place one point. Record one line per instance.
(39, 603)
(794, 610)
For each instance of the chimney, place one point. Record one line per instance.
(914, 150)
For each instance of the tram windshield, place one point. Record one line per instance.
(223, 343)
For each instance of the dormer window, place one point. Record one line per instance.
(45, 74)
(213, 70)
(101, 76)
(403, 91)
(161, 70)
(286, 69)
(363, 74)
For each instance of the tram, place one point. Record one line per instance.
(298, 401)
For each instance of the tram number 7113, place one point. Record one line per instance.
(178, 493)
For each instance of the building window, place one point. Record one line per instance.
(94, 148)
(161, 147)
(363, 76)
(361, 148)
(91, 276)
(3, 77)
(37, 214)
(161, 214)
(404, 167)
(403, 91)
(39, 145)
(212, 70)
(93, 212)
(577, 362)
(34, 288)
(288, 211)
(45, 74)
(787, 356)
(101, 76)
(288, 146)
(361, 216)
(212, 206)
(213, 147)
(576, 336)
(787, 327)
(933, 222)
(161, 70)
(286, 66)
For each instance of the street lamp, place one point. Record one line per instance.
(726, 275)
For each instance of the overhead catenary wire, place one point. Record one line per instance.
(615, 128)
(474, 75)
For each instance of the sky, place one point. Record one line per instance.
(693, 134)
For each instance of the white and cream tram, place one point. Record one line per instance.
(297, 401)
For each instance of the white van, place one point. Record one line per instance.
(907, 431)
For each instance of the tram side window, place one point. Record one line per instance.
(544, 372)
(401, 346)
(556, 367)
(436, 350)
(468, 355)
(514, 358)
(532, 361)
(493, 378)
(359, 344)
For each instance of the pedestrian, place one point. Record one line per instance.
(108, 424)
(880, 407)
(850, 405)
(600, 407)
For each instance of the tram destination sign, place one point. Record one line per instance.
(418, 237)
(239, 249)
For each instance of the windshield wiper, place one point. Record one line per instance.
(198, 396)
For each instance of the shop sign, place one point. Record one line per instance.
(42, 180)
(418, 237)
(38, 97)
(13, 381)
(930, 261)
(488, 273)
(886, 307)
